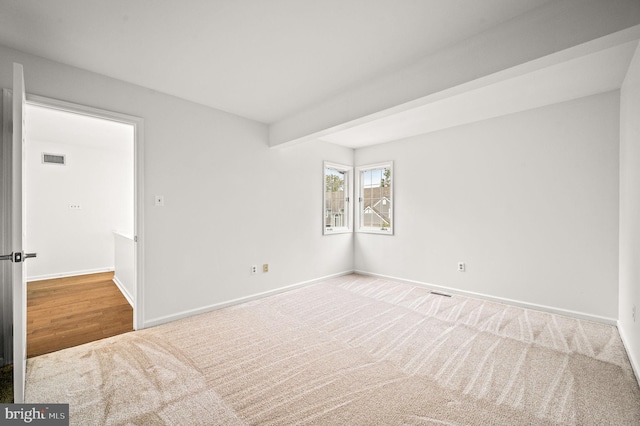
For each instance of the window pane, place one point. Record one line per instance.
(336, 186)
(375, 193)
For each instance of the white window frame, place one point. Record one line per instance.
(360, 199)
(348, 204)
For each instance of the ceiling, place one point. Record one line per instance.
(260, 59)
(269, 59)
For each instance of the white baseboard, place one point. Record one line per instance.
(68, 274)
(216, 306)
(123, 290)
(519, 303)
(633, 357)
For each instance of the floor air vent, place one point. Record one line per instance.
(53, 159)
(440, 294)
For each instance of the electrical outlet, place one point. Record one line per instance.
(461, 267)
(254, 269)
(265, 267)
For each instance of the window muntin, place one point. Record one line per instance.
(337, 198)
(375, 196)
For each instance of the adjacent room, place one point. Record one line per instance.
(343, 212)
(79, 172)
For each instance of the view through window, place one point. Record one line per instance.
(376, 198)
(337, 210)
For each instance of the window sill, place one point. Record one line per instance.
(376, 231)
(331, 231)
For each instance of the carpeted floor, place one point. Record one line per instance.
(349, 351)
(6, 384)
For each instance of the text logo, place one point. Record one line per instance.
(34, 414)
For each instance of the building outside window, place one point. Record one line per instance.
(375, 198)
(337, 198)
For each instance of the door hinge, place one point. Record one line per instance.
(135, 239)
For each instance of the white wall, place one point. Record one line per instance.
(630, 212)
(529, 201)
(100, 180)
(124, 266)
(230, 200)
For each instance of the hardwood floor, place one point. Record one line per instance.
(67, 312)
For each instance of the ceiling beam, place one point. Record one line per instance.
(553, 32)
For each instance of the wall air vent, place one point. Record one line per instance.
(53, 159)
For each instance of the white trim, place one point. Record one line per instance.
(521, 304)
(630, 355)
(51, 103)
(138, 227)
(221, 305)
(123, 290)
(138, 230)
(69, 274)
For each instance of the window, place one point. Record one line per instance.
(337, 198)
(375, 196)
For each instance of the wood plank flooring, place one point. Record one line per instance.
(66, 312)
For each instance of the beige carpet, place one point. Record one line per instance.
(349, 351)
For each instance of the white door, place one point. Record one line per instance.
(17, 236)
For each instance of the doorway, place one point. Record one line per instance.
(84, 194)
(12, 274)
(79, 174)
(12, 218)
